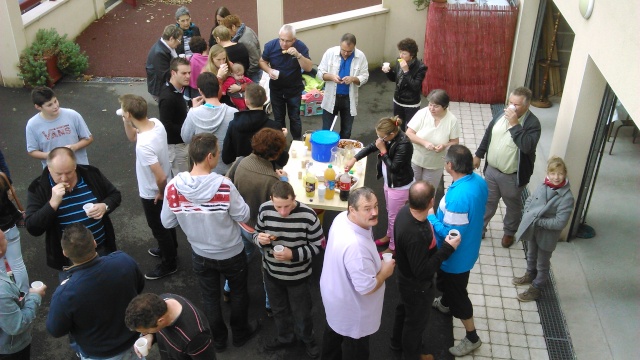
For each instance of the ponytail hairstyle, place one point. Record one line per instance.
(389, 125)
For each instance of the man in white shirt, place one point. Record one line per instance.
(352, 280)
(345, 69)
(152, 170)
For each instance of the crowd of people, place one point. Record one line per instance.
(212, 165)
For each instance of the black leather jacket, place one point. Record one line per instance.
(397, 159)
(409, 85)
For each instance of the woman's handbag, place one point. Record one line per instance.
(5, 180)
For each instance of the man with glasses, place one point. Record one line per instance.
(345, 69)
(283, 59)
(509, 144)
(160, 56)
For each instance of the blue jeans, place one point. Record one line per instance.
(342, 107)
(249, 249)
(208, 272)
(281, 106)
(256, 77)
(291, 305)
(14, 258)
(405, 113)
(128, 354)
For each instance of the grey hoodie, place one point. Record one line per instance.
(210, 119)
(208, 209)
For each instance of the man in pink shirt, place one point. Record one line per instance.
(352, 280)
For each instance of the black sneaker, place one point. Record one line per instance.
(312, 349)
(155, 252)
(252, 331)
(275, 344)
(160, 271)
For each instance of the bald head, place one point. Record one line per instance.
(61, 163)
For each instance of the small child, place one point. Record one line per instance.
(546, 213)
(237, 78)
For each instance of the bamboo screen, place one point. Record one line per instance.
(468, 51)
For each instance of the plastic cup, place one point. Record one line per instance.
(119, 112)
(322, 189)
(141, 346)
(87, 207)
(278, 248)
(37, 285)
(276, 73)
(454, 233)
(386, 65)
(387, 257)
(294, 153)
(182, 56)
(512, 107)
(303, 151)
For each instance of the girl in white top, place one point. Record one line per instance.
(432, 130)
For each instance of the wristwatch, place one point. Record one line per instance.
(106, 207)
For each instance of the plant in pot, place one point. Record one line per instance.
(423, 4)
(50, 55)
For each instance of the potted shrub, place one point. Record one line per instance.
(50, 55)
(423, 4)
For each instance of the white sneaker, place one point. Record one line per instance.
(464, 347)
(437, 304)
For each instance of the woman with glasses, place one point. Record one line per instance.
(407, 72)
(394, 151)
(432, 130)
(189, 30)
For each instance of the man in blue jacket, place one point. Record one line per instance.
(90, 303)
(462, 209)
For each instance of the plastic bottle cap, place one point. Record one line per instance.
(330, 166)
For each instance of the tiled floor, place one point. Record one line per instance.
(508, 328)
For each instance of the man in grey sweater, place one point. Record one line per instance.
(204, 203)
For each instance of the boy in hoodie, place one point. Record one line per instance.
(211, 116)
(246, 123)
(205, 203)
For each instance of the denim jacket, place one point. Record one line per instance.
(16, 316)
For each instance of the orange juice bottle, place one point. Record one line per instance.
(330, 179)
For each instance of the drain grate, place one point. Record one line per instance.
(554, 325)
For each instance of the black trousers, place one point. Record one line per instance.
(24, 354)
(412, 317)
(167, 238)
(339, 347)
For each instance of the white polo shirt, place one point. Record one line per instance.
(351, 262)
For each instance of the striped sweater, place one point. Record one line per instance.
(300, 231)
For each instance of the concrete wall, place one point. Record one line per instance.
(605, 50)
(377, 28)
(69, 17)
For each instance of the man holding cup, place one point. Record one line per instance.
(345, 69)
(90, 304)
(417, 259)
(353, 280)
(290, 235)
(283, 59)
(509, 144)
(179, 327)
(461, 209)
(56, 199)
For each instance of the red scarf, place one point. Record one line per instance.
(554, 187)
